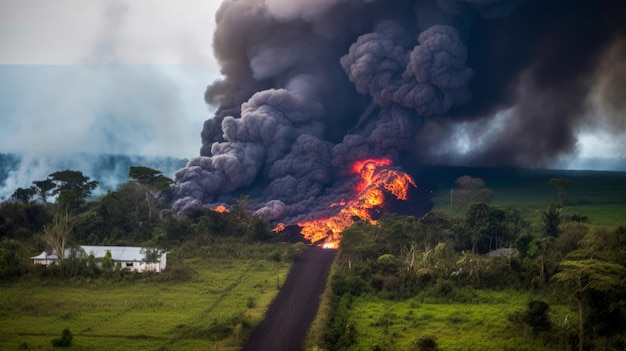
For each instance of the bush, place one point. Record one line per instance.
(536, 316)
(426, 343)
(65, 340)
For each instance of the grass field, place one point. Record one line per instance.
(213, 310)
(480, 323)
(601, 196)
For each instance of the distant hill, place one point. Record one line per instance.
(109, 170)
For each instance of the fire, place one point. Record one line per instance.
(376, 177)
(220, 209)
(279, 228)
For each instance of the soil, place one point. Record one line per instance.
(288, 318)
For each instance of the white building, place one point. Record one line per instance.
(130, 258)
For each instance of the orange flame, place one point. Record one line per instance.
(376, 176)
(220, 209)
(279, 228)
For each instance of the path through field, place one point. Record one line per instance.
(289, 316)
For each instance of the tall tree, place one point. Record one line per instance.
(150, 177)
(551, 218)
(74, 181)
(152, 182)
(488, 227)
(23, 194)
(586, 276)
(561, 185)
(73, 187)
(469, 191)
(44, 189)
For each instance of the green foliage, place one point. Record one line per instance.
(426, 342)
(587, 280)
(107, 262)
(13, 261)
(22, 221)
(44, 189)
(24, 195)
(551, 219)
(487, 227)
(150, 177)
(561, 185)
(152, 255)
(340, 333)
(65, 340)
(536, 316)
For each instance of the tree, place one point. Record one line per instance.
(57, 234)
(150, 177)
(23, 194)
(107, 262)
(470, 190)
(12, 254)
(44, 189)
(152, 255)
(551, 218)
(487, 226)
(151, 182)
(585, 276)
(561, 185)
(72, 187)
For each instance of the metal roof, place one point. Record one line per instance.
(118, 253)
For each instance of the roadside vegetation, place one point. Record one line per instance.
(223, 269)
(478, 273)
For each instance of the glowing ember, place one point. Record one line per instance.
(376, 177)
(220, 209)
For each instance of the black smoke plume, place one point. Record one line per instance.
(310, 87)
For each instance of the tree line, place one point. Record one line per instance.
(57, 214)
(441, 255)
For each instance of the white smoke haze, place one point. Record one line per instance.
(309, 87)
(110, 171)
(83, 79)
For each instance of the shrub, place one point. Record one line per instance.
(426, 343)
(65, 340)
(250, 303)
(536, 316)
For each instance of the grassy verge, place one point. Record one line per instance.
(315, 334)
(214, 309)
(478, 324)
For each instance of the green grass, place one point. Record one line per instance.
(213, 310)
(480, 324)
(601, 196)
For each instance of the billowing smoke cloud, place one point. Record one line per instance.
(310, 87)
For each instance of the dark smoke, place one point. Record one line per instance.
(309, 87)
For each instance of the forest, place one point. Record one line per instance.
(566, 272)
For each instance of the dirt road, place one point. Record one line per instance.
(289, 316)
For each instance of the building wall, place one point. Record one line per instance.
(137, 266)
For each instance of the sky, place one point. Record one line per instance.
(105, 76)
(113, 76)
